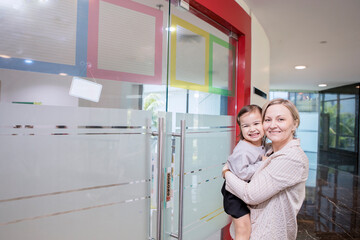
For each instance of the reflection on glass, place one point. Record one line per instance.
(347, 124)
(339, 128)
(330, 96)
(330, 111)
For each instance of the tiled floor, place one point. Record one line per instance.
(332, 206)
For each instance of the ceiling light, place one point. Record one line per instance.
(322, 85)
(300, 67)
(28, 61)
(63, 74)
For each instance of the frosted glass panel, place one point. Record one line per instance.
(39, 31)
(83, 178)
(220, 61)
(201, 65)
(119, 44)
(191, 61)
(208, 143)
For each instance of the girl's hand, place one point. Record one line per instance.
(225, 169)
(264, 158)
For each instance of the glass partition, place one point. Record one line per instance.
(307, 104)
(83, 178)
(72, 168)
(339, 124)
(208, 143)
(84, 165)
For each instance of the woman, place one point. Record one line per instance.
(277, 189)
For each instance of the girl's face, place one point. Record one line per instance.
(279, 125)
(251, 127)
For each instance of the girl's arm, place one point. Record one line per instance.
(282, 172)
(242, 162)
(244, 167)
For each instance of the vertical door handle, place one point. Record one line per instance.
(181, 181)
(160, 178)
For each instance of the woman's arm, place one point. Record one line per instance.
(281, 173)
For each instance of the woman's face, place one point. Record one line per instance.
(279, 125)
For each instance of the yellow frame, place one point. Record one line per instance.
(174, 82)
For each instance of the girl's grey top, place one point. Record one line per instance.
(245, 159)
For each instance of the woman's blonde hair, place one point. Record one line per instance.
(288, 104)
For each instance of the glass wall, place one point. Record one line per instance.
(82, 84)
(307, 104)
(339, 128)
(304, 101)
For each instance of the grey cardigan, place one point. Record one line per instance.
(245, 159)
(275, 193)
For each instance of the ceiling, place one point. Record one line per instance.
(324, 35)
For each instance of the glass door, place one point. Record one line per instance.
(92, 97)
(194, 207)
(201, 91)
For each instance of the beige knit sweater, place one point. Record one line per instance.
(275, 193)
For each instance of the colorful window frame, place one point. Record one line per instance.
(231, 81)
(210, 40)
(94, 71)
(79, 69)
(174, 82)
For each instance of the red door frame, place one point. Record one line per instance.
(229, 14)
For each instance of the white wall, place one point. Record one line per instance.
(260, 58)
(243, 5)
(260, 61)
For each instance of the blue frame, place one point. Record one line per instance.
(79, 69)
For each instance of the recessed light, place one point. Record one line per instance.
(63, 74)
(300, 67)
(322, 85)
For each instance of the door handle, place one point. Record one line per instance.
(160, 180)
(181, 181)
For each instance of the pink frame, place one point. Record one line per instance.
(93, 36)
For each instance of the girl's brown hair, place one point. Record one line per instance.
(246, 109)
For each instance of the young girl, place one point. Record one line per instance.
(243, 162)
